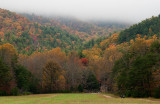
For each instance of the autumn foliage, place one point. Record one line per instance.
(38, 57)
(84, 61)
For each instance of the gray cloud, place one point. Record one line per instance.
(115, 10)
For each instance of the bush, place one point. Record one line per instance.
(62, 91)
(15, 91)
(157, 92)
(92, 83)
(71, 89)
(80, 88)
(27, 93)
(3, 93)
(128, 93)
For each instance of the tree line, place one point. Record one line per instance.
(131, 69)
(125, 64)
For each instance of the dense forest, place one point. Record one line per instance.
(28, 37)
(85, 30)
(38, 57)
(148, 27)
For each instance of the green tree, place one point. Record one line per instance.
(92, 83)
(134, 72)
(22, 77)
(25, 80)
(5, 78)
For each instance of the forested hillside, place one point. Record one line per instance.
(128, 68)
(37, 33)
(85, 30)
(148, 27)
(28, 36)
(60, 62)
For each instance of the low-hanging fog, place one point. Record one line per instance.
(131, 11)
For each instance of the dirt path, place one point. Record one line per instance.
(107, 96)
(149, 100)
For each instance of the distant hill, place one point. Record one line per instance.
(85, 30)
(28, 36)
(148, 27)
(30, 33)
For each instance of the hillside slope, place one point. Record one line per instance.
(28, 36)
(148, 27)
(85, 30)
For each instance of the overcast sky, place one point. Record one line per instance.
(118, 10)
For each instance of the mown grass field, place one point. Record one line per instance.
(75, 99)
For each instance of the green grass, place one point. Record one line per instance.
(74, 99)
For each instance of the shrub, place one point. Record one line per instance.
(157, 92)
(80, 88)
(27, 93)
(3, 93)
(15, 91)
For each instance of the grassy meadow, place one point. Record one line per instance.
(75, 99)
